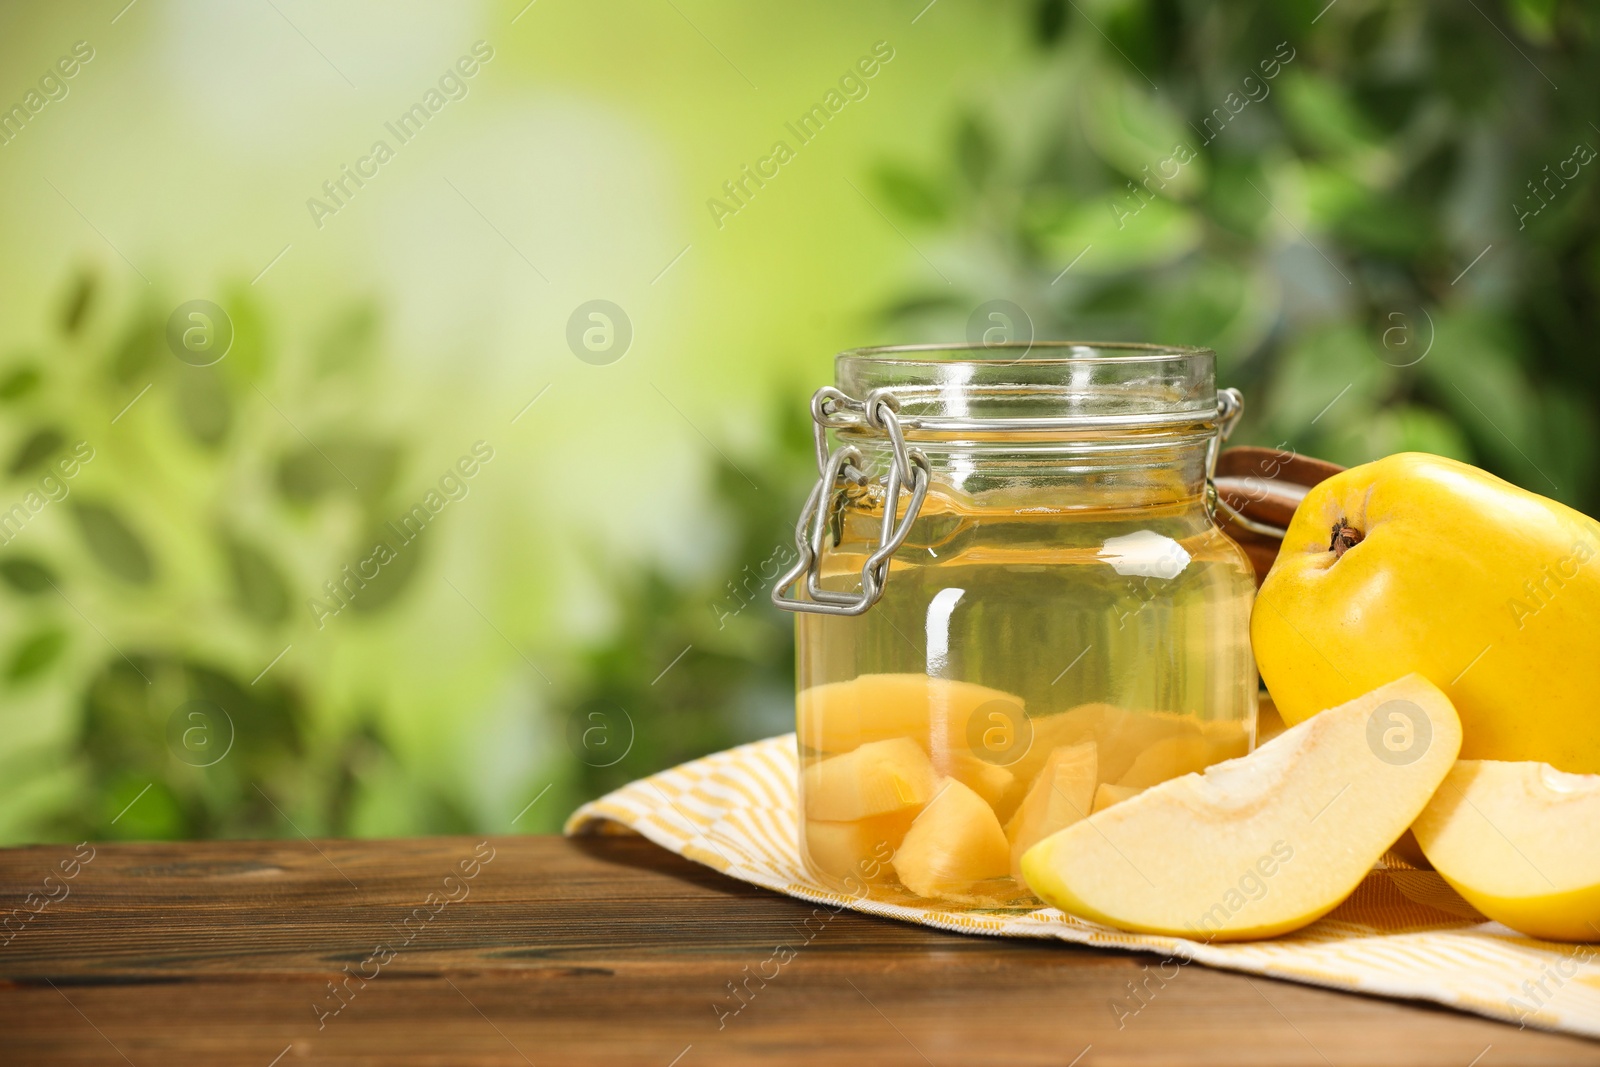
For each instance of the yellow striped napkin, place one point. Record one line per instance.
(1404, 932)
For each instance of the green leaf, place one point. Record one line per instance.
(26, 575)
(20, 382)
(112, 542)
(126, 704)
(1203, 304)
(975, 151)
(395, 576)
(1405, 428)
(349, 341)
(130, 812)
(1319, 112)
(141, 346)
(1325, 382)
(80, 298)
(205, 409)
(129, 706)
(1120, 233)
(1565, 445)
(909, 194)
(1535, 19)
(338, 466)
(247, 358)
(34, 654)
(1138, 135)
(1230, 199)
(1417, 429)
(36, 448)
(1364, 219)
(1473, 369)
(1049, 21)
(266, 717)
(259, 587)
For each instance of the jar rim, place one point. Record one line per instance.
(1023, 387)
(1135, 352)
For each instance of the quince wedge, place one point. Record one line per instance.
(839, 716)
(1110, 793)
(1262, 844)
(875, 779)
(1061, 795)
(1046, 734)
(1521, 842)
(988, 780)
(1149, 746)
(953, 844)
(858, 848)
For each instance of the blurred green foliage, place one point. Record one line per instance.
(1304, 189)
(1352, 203)
(143, 533)
(179, 733)
(696, 665)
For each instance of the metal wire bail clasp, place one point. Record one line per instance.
(832, 409)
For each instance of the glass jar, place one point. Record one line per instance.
(1015, 606)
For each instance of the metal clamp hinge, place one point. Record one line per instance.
(839, 469)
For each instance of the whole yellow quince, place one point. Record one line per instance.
(1420, 563)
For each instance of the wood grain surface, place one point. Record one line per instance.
(538, 950)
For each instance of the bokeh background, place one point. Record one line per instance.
(1381, 215)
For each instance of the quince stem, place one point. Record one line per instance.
(1345, 537)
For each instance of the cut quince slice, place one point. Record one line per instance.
(875, 779)
(860, 848)
(1266, 843)
(990, 781)
(1121, 735)
(1047, 733)
(954, 843)
(1062, 794)
(1176, 744)
(1132, 734)
(1521, 842)
(838, 716)
(1109, 794)
(1167, 758)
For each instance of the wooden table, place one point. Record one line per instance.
(608, 950)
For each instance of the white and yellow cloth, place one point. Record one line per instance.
(1403, 933)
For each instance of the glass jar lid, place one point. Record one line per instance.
(1037, 387)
